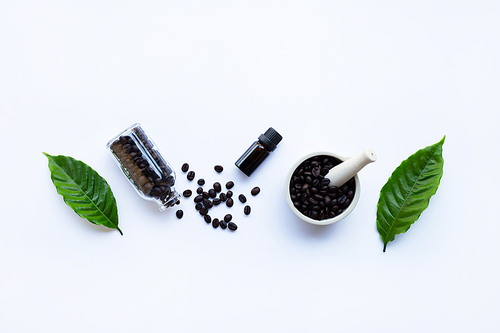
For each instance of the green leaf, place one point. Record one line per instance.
(84, 190)
(408, 191)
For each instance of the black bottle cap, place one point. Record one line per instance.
(270, 139)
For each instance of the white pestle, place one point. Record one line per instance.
(344, 171)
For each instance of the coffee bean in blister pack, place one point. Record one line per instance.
(312, 194)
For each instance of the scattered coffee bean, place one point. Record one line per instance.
(187, 193)
(217, 187)
(179, 214)
(207, 218)
(229, 202)
(255, 190)
(212, 193)
(229, 184)
(216, 201)
(198, 198)
(229, 194)
(201, 181)
(199, 190)
(223, 224)
(247, 210)
(185, 167)
(198, 206)
(228, 217)
(242, 198)
(218, 168)
(205, 195)
(203, 211)
(215, 223)
(232, 226)
(223, 197)
(190, 175)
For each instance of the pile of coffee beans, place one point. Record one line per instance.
(310, 191)
(144, 165)
(205, 200)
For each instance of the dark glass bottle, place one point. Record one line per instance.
(258, 151)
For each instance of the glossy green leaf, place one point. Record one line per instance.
(408, 191)
(84, 190)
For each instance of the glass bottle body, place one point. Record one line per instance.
(252, 158)
(142, 163)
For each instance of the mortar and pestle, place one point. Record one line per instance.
(338, 176)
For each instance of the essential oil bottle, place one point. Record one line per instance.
(258, 151)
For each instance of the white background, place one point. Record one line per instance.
(206, 78)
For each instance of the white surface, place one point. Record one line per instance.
(205, 78)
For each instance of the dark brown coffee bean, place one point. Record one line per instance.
(247, 210)
(199, 190)
(215, 223)
(255, 190)
(198, 198)
(232, 226)
(229, 202)
(205, 195)
(218, 168)
(212, 193)
(207, 218)
(229, 194)
(242, 198)
(228, 217)
(216, 201)
(198, 206)
(229, 184)
(223, 197)
(203, 211)
(190, 175)
(179, 214)
(350, 194)
(201, 181)
(185, 167)
(223, 224)
(187, 193)
(217, 187)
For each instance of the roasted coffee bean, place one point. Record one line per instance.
(198, 198)
(205, 195)
(185, 167)
(207, 203)
(247, 210)
(215, 223)
(232, 226)
(179, 214)
(207, 218)
(199, 190)
(217, 187)
(223, 224)
(212, 193)
(229, 184)
(223, 197)
(242, 198)
(229, 194)
(350, 194)
(190, 175)
(228, 217)
(203, 211)
(198, 206)
(218, 168)
(216, 201)
(255, 191)
(229, 202)
(201, 181)
(325, 182)
(187, 193)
